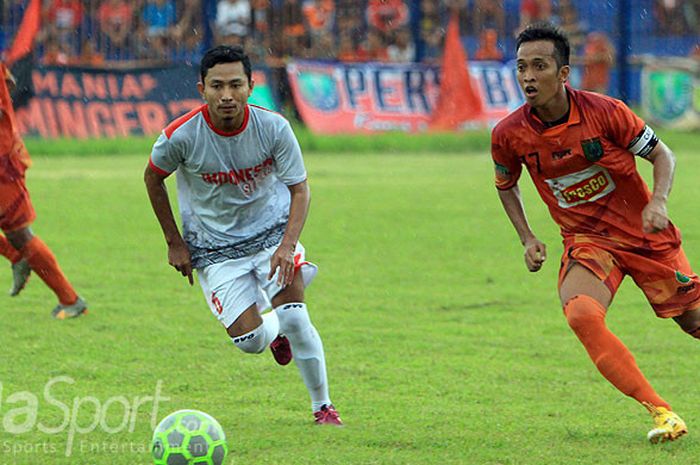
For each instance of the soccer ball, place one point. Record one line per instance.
(189, 437)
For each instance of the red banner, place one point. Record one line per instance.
(337, 98)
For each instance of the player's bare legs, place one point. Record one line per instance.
(247, 322)
(580, 280)
(690, 322)
(43, 262)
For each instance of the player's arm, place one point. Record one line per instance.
(628, 130)
(178, 253)
(535, 250)
(283, 258)
(655, 214)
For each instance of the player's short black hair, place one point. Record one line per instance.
(547, 31)
(225, 54)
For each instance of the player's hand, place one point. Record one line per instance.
(179, 258)
(535, 254)
(283, 259)
(654, 216)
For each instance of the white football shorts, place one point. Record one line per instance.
(232, 286)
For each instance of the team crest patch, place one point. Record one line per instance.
(501, 169)
(681, 278)
(592, 149)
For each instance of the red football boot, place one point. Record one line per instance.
(328, 416)
(281, 350)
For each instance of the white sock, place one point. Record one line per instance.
(257, 340)
(307, 350)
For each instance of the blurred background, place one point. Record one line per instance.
(611, 39)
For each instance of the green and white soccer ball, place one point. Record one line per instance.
(189, 437)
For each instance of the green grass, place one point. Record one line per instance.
(475, 141)
(351, 144)
(441, 347)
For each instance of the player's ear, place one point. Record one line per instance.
(564, 73)
(251, 84)
(200, 88)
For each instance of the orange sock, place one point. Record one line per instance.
(9, 252)
(43, 262)
(615, 362)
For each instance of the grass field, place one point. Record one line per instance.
(441, 347)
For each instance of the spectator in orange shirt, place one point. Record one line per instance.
(116, 20)
(63, 22)
(488, 46)
(598, 57)
(319, 17)
(387, 15)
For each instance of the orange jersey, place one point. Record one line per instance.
(585, 170)
(10, 141)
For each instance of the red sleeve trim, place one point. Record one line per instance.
(159, 171)
(170, 129)
(267, 109)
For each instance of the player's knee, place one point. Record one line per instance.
(20, 237)
(690, 322)
(582, 311)
(257, 340)
(294, 317)
(251, 343)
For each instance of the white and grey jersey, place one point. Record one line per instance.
(232, 187)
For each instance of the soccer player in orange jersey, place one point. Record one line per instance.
(24, 250)
(580, 149)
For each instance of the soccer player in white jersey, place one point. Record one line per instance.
(243, 200)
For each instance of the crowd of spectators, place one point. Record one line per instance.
(90, 32)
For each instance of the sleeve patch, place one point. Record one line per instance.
(501, 169)
(644, 142)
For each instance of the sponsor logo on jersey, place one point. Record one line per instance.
(681, 278)
(592, 149)
(587, 185)
(244, 175)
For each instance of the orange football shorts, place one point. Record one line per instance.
(666, 279)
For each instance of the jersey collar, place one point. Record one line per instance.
(246, 117)
(574, 115)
